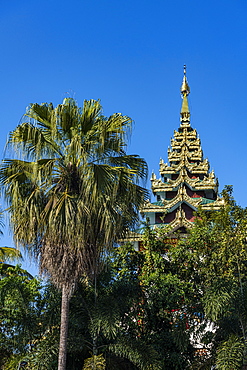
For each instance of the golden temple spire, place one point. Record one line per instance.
(185, 90)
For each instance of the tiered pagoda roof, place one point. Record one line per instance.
(186, 182)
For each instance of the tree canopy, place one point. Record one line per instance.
(72, 190)
(166, 307)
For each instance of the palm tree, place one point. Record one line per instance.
(72, 190)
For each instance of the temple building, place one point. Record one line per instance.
(185, 182)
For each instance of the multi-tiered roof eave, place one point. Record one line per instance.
(186, 182)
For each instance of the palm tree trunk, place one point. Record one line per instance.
(95, 337)
(63, 329)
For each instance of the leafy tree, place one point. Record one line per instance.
(158, 314)
(19, 313)
(95, 363)
(102, 328)
(213, 258)
(72, 191)
(29, 317)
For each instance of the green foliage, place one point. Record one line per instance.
(138, 352)
(29, 315)
(213, 258)
(95, 363)
(9, 254)
(19, 308)
(145, 310)
(157, 316)
(72, 190)
(133, 327)
(73, 169)
(45, 351)
(12, 362)
(104, 321)
(219, 298)
(230, 354)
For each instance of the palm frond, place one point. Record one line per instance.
(95, 363)
(218, 298)
(140, 354)
(230, 354)
(9, 254)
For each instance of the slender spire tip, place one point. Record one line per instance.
(185, 69)
(185, 90)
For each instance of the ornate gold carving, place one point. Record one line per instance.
(175, 156)
(190, 135)
(183, 178)
(180, 220)
(194, 168)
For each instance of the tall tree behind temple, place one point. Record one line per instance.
(213, 259)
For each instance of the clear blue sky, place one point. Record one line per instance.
(130, 54)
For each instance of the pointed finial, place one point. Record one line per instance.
(185, 90)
